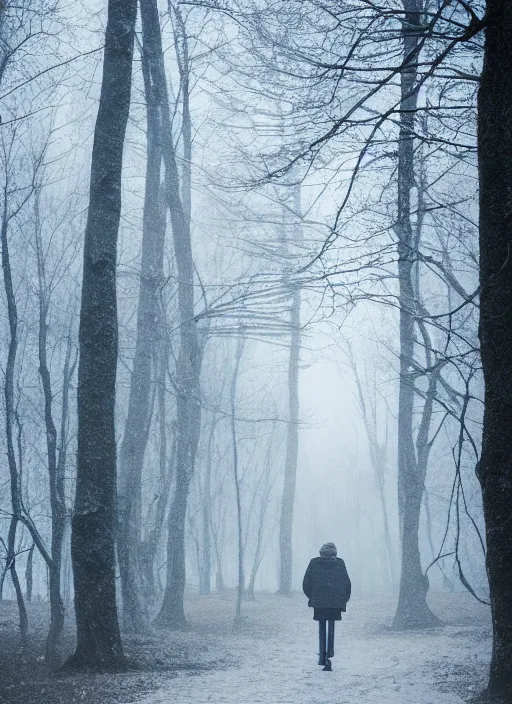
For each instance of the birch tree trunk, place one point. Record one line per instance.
(93, 535)
(495, 467)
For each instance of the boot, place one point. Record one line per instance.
(328, 666)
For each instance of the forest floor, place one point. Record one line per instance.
(270, 658)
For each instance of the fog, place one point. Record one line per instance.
(240, 313)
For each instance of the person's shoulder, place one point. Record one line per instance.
(340, 561)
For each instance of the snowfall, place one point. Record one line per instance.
(271, 657)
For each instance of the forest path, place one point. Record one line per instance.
(272, 657)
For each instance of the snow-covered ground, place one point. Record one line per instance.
(272, 657)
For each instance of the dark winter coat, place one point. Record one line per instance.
(326, 583)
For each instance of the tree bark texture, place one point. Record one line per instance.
(206, 564)
(93, 535)
(495, 467)
(15, 479)
(19, 515)
(292, 450)
(149, 330)
(55, 469)
(151, 543)
(11, 566)
(292, 435)
(259, 551)
(236, 476)
(29, 573)
(412, 610)
(188, 368)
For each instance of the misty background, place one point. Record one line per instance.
(288, 176)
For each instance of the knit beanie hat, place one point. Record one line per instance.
(328, 550)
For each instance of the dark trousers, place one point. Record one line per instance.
(326, 640)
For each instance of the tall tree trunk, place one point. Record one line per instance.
(5, 54)
(412, 610)
(236, 475)
(3, 574)
(11, 416)
(219, 573)
(14, 474)
(219, 579)
(206, 569)
(188, 372)
(138, 421)
(182, 54)
(258, 553)
(292, 448)
(152, 542)
(258, 557)
(188, 368)
(94, 521)
(172, 612)
(67, 576)
(68, 373)
(495, 467)
(29, 573)
(55, 471)
(11, 564)
(292, 436)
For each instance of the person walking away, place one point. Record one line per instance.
(327, 586)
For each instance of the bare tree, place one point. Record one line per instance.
(94, 519)
(494, 469)
(236, 476)
(145, 361)
(292, 436)
(188, 366)
(10, 411)
(56, 463)
(262, 492)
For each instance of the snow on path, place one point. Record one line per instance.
(272, 657)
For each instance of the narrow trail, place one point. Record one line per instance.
(271, 658)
